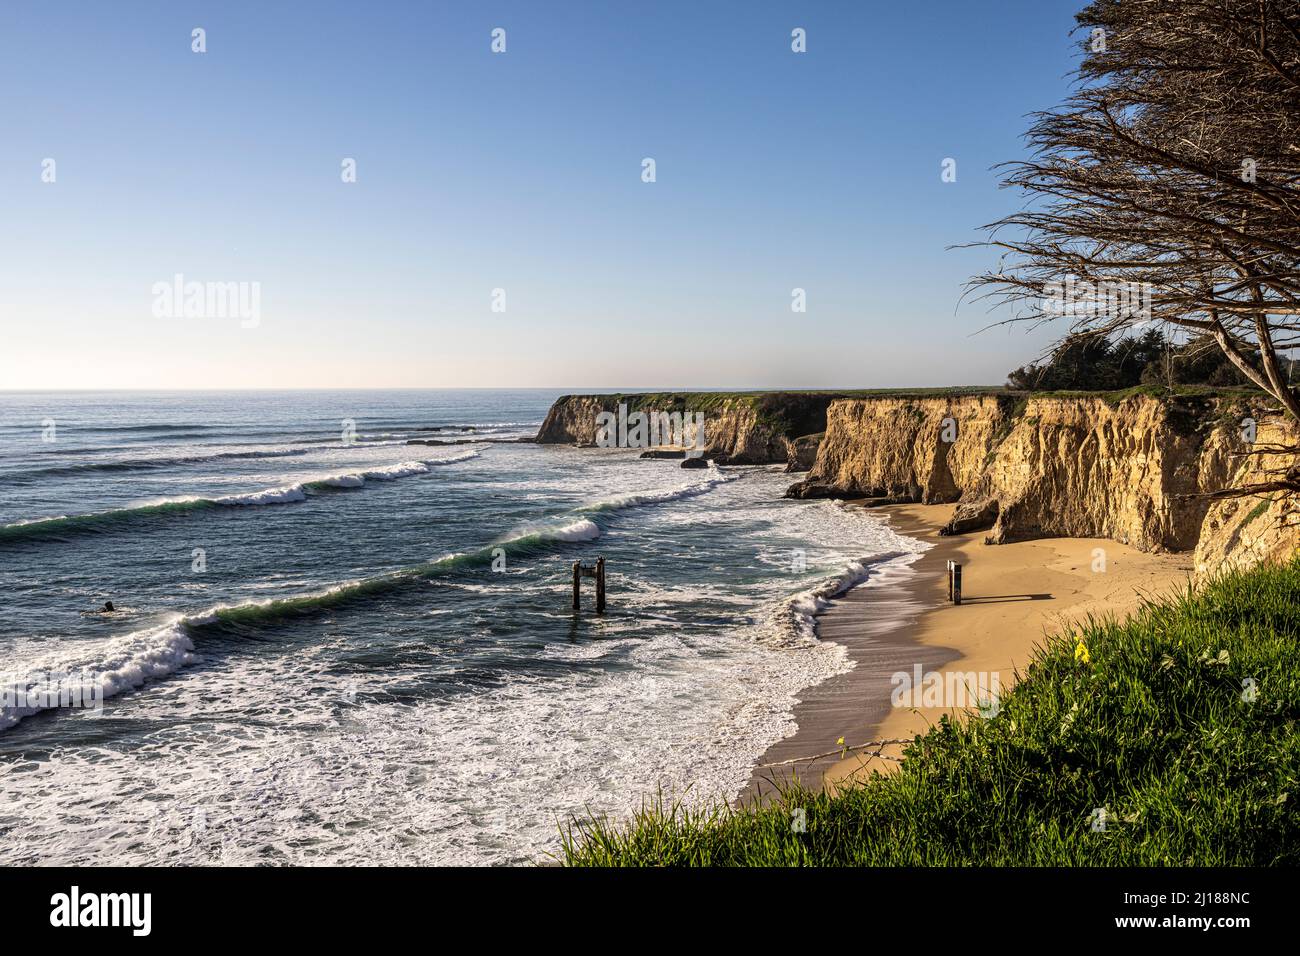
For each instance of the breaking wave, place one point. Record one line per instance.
(285, 494)
(127, 662)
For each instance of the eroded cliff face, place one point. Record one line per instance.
(757, 428)
(1133, 470)
(1241, 532)
(916, 449)
(572, 420)
(1082, 467)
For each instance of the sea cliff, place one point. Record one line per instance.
(750, 428)
(1136, 467)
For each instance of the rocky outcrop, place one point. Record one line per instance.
(1091, 468)
(572, 420)
(739, 428)
(802, 452)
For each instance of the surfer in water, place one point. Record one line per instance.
(108, 607)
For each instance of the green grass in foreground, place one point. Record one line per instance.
(1154, 727)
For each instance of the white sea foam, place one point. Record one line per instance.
(581, 530)
(115, 665)
(267, 496)
(799, 612)
(298, 491)
(295, 772)
(480, 778)
(714, 478)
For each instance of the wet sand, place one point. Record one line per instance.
(1013, 595)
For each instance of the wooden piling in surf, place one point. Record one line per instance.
(596, 571)
(600, 585)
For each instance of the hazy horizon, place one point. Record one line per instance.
(136, 163)
(578, 389)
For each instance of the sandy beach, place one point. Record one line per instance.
(1013, 596)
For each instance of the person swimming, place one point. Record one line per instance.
(108, 607)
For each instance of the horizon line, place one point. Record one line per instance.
(500, 388)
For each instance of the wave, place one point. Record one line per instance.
(285, 494)
(525, 541)
(120, 664)
(156, 427)
(688, 490)
(794, 622)
(147, 464)
(129, 661)
(581, 530)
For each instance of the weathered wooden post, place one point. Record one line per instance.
(600, 585)
(596, 571)
(949, 580)
(956, 583)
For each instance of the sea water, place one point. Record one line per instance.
(331, 646)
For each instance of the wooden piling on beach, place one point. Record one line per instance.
(956, 583)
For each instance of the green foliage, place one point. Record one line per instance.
(1257, 511)
(1157, 726)
(1096, 363)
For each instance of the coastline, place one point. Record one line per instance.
(1014, 595)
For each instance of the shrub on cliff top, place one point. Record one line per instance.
(1172, 739)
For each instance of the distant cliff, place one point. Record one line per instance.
(739, 427)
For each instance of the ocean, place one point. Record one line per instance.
(332, 647)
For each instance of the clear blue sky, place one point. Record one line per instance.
(519, 171)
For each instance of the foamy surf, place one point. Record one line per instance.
(133, 659)
(117, 665)
(796, 617)
(690, 489)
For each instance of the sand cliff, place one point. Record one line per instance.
(1132, 467)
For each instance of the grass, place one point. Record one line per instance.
(796, 412)
(1158, 726)
(1257, 511)
(1156, 391)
